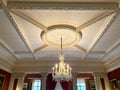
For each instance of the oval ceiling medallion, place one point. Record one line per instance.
(54, 33)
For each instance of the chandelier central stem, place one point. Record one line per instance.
(61, 47)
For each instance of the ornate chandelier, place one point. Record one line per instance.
(62, 71)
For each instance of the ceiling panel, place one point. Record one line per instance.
(89, 33)
(31, 33)
(69, 17)
(110, 37)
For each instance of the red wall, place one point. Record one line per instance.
(115, 74)
(7, 79)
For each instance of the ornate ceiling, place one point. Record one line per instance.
(30, 33)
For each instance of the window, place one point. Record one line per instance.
(36, 85)
(81, 84)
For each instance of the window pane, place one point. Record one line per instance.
(36, 85)
(81, 84)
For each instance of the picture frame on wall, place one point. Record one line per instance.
(1, 81)
(92, 85)
(114, 84)
(25, 86)
(118, 82)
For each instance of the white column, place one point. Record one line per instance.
(74, 76)
(20, 77)
(98, 85)
(44, 77)
(11, 82)
(20, 81)
(107, 84)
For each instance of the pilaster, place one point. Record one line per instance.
(44, 77)
(74, 76)
(20, 77)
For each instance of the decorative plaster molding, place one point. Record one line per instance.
(62, 5)
(94, 19)
(80, 48)
(67, 32)
(29, 19)
(40, 48)
(18, 75)
(100, 74)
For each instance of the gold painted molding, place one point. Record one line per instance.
(62, 5)
(66, 32)
(29, 19)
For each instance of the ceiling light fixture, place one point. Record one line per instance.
(61, 71)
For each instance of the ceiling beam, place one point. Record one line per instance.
(102, 32)
(19, 30)
(40, 48)
(94, 20)
(30, 19)
(63, 5)
(80, 48)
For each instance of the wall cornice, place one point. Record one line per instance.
(62, 5)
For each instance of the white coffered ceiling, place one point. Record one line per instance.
(23, 50)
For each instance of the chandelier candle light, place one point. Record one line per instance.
(61, 71)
